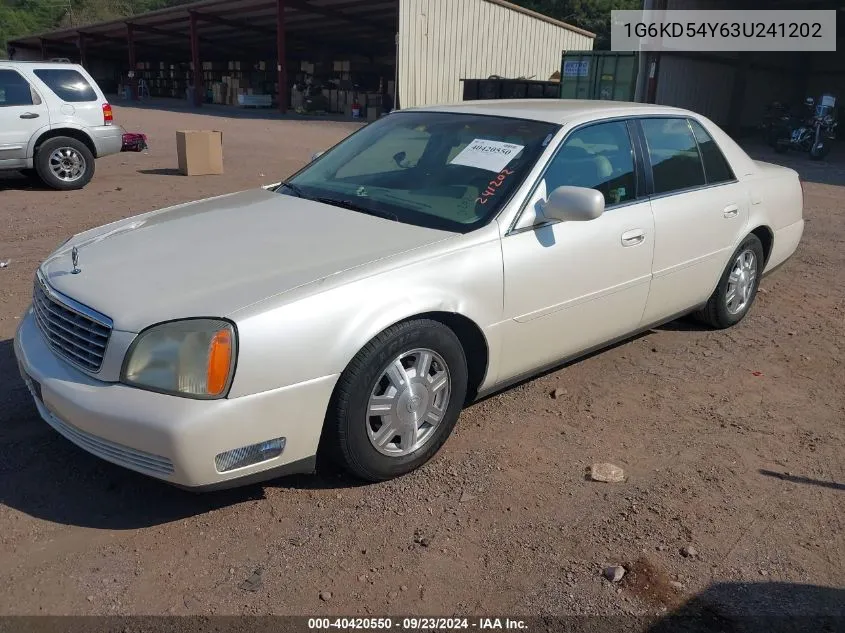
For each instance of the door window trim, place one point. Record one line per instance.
(641, 194)
(648, 167)
(690, 121)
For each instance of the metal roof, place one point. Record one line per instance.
(234, 28)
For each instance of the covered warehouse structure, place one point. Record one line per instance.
(734, 89)
(278, 49)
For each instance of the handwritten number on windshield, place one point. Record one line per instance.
(493, 186)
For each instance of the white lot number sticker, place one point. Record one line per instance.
(490, 155)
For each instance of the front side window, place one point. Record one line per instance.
(716, 166)
(675, 161)
(14, 89)
(441, 170)
(67, 84)
(599, 157)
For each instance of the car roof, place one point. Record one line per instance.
(45, 64)
(555, 110)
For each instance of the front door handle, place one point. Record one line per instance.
(731, 211)
(633, 237)
(29, 115)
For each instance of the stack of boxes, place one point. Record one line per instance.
(340, 95)
(254, 84)
(229, 82)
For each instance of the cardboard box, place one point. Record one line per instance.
(199, 152)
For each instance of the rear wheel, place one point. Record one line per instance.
(398, 400)
(64, 163)
(737, 288)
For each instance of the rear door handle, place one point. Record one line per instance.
(633, 237)
(29, 115)
(731, 211)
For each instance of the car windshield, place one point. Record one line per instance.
(439, 170)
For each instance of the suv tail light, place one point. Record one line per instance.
(108, 116)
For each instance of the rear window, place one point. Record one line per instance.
(67, 83)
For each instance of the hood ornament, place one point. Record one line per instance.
(74, 258)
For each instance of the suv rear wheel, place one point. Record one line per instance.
(64, 163)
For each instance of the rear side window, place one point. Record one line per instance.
(67, 83)
(716, 167)
(676, 163)
(14, 89)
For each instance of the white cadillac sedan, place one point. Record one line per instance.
(432, 257)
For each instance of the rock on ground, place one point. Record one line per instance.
(606, 473)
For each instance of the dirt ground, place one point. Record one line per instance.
(732, 442)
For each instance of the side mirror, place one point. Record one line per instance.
(573, 204)
(399, 159)
(317, 155)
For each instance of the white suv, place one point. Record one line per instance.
(54, 121)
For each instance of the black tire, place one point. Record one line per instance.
(818, 153)
(716, 313)
(45, 171)
(345, 434)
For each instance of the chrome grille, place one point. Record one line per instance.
(76, 336)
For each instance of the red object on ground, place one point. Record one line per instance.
(134, 142)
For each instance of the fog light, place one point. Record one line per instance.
(249, 455)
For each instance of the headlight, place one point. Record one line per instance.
(194, 358)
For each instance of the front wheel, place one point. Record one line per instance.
(398, 400)
(820, 149)
(64, 163)
(737, 287)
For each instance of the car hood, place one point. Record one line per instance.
(212, 257)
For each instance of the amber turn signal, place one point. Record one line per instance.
(219, 362)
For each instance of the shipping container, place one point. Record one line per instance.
(607, 75)
(442, 41)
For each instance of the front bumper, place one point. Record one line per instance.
(108, 139)
(171, 438)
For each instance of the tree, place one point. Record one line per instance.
(593, 15)
(28, 17)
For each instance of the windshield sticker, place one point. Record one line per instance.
(489, 155)
(493, 186)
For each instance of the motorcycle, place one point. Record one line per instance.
(813, 134)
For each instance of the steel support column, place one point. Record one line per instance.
(195, 60)
(82, 45)
(734, 126)
(133, 62)
(281, 69)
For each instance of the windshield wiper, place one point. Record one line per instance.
(295, 188)
(346, 204)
